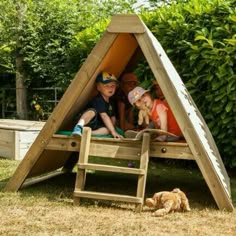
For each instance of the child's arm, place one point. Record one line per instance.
(121, 110)
(108, 122)
(162, 112)
(113, 120)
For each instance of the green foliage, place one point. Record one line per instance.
(200, 38)
(52, 36)
(82, 43)
(46, 34)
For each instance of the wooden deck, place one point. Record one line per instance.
(121, 148)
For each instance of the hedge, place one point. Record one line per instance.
(200, 39)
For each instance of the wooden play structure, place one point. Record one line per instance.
(123, 43)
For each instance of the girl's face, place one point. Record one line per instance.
(139, 104)
(144, 101)
(147, 100)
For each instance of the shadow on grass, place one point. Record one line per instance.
(162, 176)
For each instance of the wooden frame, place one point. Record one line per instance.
(106, 56)
(16, 136)
(84, 164)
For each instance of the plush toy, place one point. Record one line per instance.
(143, 115)
(166, 202)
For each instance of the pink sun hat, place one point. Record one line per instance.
(135, 94)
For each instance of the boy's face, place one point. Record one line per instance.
(107, 90)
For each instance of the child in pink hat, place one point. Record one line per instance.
(159, 112)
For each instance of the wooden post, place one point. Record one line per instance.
(83, 158)
(143, 165)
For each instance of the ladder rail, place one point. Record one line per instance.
(83, 165)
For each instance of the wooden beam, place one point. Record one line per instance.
(107, 196)
(57, 117)
(122, 149)
(192, 124)
(110, 168)
(126, 23)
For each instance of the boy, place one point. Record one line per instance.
(159, 112)
(125, 110)
(99, 114)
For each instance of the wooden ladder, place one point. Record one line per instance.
(83, 165)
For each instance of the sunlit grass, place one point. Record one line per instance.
(162, 175)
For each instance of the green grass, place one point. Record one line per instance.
(162, 175)
(46, 208)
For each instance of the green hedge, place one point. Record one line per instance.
(200, 39)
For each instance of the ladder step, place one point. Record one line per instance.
(111, 168)
(107, 196)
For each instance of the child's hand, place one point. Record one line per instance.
(116, 135)
(161, 138)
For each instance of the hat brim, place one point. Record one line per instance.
(108, 81)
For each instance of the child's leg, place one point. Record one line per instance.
(101, 131)
(87, 117)
(84, 119)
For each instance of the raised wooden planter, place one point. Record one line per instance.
(16, 136)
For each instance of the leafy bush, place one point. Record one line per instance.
(200, 39)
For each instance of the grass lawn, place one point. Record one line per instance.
(47, 208)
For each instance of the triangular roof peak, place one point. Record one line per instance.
(123, 23)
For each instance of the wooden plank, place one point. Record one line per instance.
(25, 125)
(174, 150)
(122, 149)
(85, 145)
(115, 151)
(66, 105)
(107, 196)
(144, 159)
(111, 168)
(7, 143)
(17, 146)
(213, 179)
(83, 159)
(189, 119)
(64, 143)
(25, 139)
(126, 23)
(39, 179)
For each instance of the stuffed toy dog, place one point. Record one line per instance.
(143, 115)
(166, 202)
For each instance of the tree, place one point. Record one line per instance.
(37, 39)
(21, 91)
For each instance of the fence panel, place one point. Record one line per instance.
(41, 102)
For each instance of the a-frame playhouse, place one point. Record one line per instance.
(125, 40)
